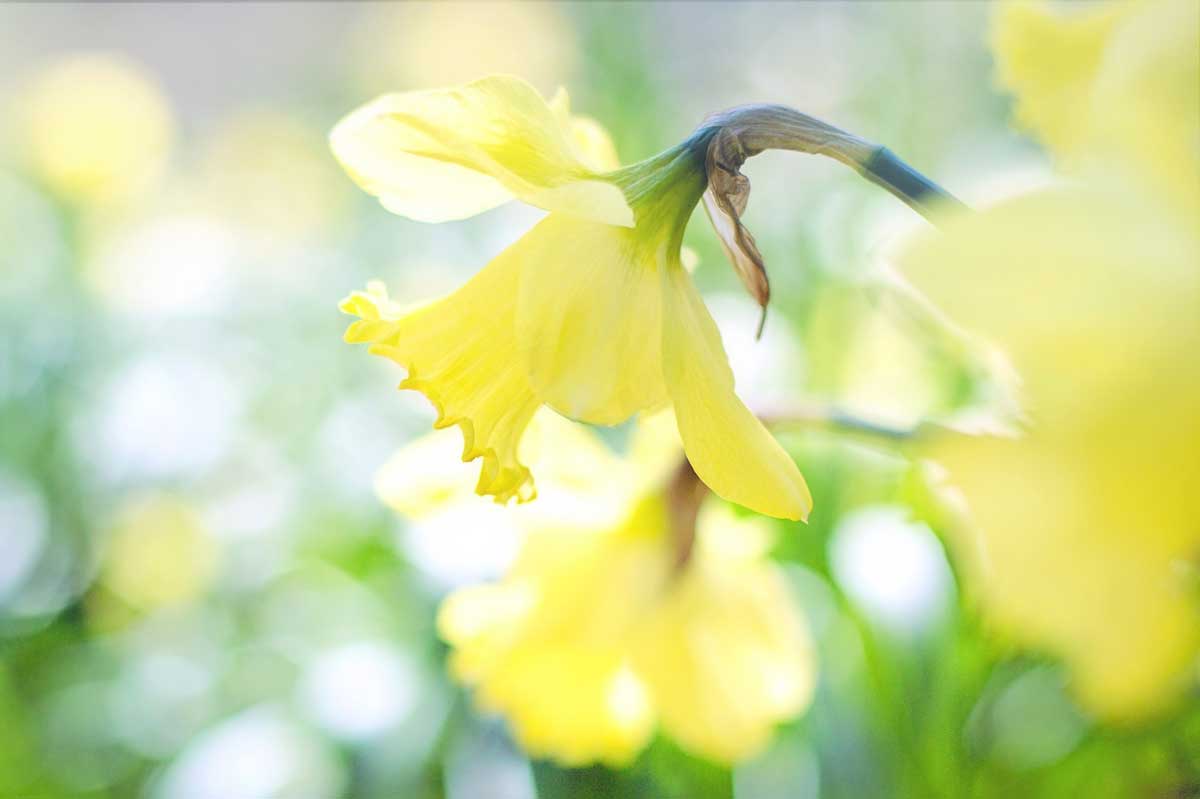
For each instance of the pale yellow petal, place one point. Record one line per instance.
(1049, 56)
(1081, 533)
(728, 447)
(576, 704)
(1090, 290)
(592, 144)
(425, 475)
(1147, 98)
(450, 153)
(1111, 86)
(548, 647)
(726, 654)
(588, 319)
(1080, 550)
(460, 353)
(481, 623)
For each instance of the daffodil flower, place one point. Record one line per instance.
(592, 312)
(1084, 534)
(658, 611)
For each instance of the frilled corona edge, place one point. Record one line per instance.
(386, 329)
(502, 483)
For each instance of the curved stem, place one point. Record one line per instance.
(777, 127)
(885, 169)
(837, 419)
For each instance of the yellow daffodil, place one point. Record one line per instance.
(1087, 530)
(591, 313)
(654, 611)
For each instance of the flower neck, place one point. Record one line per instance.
(664, 190)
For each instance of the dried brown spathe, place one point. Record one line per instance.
(742, 132)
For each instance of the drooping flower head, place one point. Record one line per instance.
(592, 312)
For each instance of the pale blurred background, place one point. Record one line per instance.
(200, 594)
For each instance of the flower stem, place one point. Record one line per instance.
(778, 127)
(920, 193)
(836, 419)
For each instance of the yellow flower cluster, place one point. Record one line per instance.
(1087, 529)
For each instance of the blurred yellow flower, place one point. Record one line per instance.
(1088, 528)
(447, 42)
(159, 553)
(269, 173)
(1109, 86)
(611, 623)
(97, 127)
(590, 313)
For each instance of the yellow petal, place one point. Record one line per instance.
(425, 476)
(460, 353)
(1049, 58)
(1113, 79)
(592, 144)
(451, 153)
(1147, 98)
(548, 646)
(728, 447)
(1079, 549)
(588, 319)
(1090, 290)
(726, 655)
(1082, 532)
(481, 623)
(574, 704)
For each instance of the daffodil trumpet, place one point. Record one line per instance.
(592, 312)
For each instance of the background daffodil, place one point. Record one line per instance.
(1088, 527)
(611, 624)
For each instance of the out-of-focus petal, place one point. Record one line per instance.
(576, 703)
(1112, 86)
(1147, 99)
(727, 654)
(1081, 533)
(1081, 550)
(548, 647)
(1091, 291)
(425, 475)
(1049, 58)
